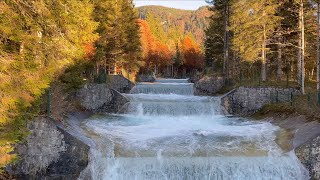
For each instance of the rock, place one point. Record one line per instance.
(309, 155)
(245, 101)
(99, 98)
(94, 96)
(120, 83)
(146, 78)
(117, 102)
(208, 85)
(49, 153)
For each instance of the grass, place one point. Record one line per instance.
(303, 105)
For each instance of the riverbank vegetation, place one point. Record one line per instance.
(40, 39)
(265, 42)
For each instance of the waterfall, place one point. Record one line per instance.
(180, 106)
(163, 88)
(212, 168)
(172, 80)
(167, 133)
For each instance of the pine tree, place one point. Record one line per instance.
(253, 23)
(214, 41)
(119, 44)
(132, 44)
(177, 58)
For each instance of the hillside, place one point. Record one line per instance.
(194, 22)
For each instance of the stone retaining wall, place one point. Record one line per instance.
(246, 101)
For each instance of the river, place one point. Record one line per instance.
(167, 133)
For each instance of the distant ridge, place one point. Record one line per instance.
(190, 21)
(164, 7)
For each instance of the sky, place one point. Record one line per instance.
(179, 4)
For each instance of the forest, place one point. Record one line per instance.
(188, 21)
(269, 41)
(76, 42)
(80, 41)
(40, 40)
(172, 40)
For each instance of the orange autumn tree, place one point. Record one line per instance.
(147, 42)
(161, 55)
(192, 55)
(156, 54)
(89, 50)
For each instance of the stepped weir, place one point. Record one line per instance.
(167, 133)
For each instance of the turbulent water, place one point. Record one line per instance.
(166, 133)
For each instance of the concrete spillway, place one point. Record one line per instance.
(166, 133)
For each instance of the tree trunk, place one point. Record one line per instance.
(172, 69)
(234, 59)
(279, 63)
(97, 68)
(318, 47)
(114, 68)
(226, 42)
(155, 69)
(302, 75)
(21, 49)
(299, 46)
(263, 59)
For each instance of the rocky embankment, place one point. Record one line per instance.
(51, 151)
(208, 86)
(146, 78)
(99, 98)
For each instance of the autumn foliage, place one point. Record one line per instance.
(192, 55)
(157, 54)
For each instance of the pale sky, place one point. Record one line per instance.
(179, 4)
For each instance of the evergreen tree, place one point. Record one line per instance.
(214, 40)
(119, 43)
(253, 23)
(132, 45)
(177, 58)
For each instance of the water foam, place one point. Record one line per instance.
(167, 133)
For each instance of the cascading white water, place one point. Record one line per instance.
(172, 80)
(168, 134)
(163, 88)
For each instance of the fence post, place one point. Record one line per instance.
(291, 98)
(49, 103)
(277, 97)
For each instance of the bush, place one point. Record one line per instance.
(76, 75)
